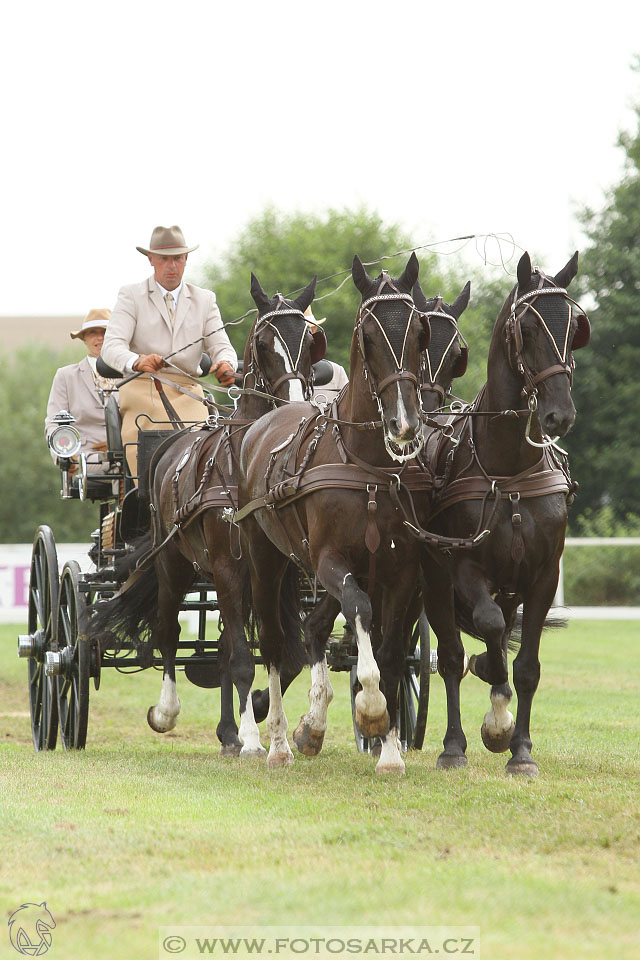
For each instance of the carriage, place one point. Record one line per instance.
(65, 662)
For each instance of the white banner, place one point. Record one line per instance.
(15, 568)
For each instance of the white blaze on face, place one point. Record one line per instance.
(295, 386)
(402, 418)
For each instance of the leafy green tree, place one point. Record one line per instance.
(29, 480)
(285, 251)
(605, 441)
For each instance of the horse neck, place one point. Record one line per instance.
(500, 441)
(358, 406)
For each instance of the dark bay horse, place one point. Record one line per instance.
(502, 473)
(278, 361)
(338, 525)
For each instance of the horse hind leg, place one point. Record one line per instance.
(174, 578)
(280, 754)
(309, 734)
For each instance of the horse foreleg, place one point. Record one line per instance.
(280, 754)
(309, 734)
(526, 669)
(452, 661)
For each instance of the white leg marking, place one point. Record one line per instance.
(369, 701)
(248, 732)
(295, 386)
(320, 696)
(280, 754)
(165, 712)
(390, 757)
(499, 719)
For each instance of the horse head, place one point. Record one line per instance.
(281, 348)
(448, 353)
(389, 339)
(541, 328)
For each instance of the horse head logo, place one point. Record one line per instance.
(29, 929)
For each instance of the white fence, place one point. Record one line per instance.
(15, 562)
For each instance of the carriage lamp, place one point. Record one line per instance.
(66, 443)
(65, 440)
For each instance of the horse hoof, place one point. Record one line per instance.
(276, 761)
(497, 742)
(251, 752)
(230, 749)
(471, 666)
(521, 768)
(451, 761)
(307, 740)
(372, 726)
(390, 768)
(158, 725)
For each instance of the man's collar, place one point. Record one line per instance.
(175, 293)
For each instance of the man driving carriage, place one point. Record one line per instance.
(159, 317)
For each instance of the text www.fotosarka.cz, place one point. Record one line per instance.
(309, 941)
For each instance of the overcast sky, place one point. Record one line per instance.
(452, 118)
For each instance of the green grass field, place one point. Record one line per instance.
(141, 830)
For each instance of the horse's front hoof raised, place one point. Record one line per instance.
(159, 721)
(307, 740)
(496, 742)
(521, 768)
(372, 726)
(451, 761)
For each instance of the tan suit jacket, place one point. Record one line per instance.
(74, 389)
(140, 324)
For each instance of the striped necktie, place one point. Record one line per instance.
(168, 299)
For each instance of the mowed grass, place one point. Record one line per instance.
(142, 830)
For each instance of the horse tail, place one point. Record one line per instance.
(131, 615)
(464, 622)
(294, 654)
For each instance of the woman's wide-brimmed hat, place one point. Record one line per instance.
(310, 317)
(167, 242)
(94, 320)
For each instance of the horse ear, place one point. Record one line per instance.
(307, 295)
(568, 272)
(360, 276)
(462, 301)
(410, 275)
(260, 298)
(524, 270)
(419, 298)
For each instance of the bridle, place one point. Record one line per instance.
(366, 313)
(564, 353)
(429, 380)
(318, 350)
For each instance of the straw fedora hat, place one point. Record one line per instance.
(94, 320)
(168, 242)
(310, 317)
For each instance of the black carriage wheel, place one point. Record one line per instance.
(424, 678)
(73, 681)
(43, 600)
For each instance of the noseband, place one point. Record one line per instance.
(281, 310)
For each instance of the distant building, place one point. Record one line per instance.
(46, 331)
